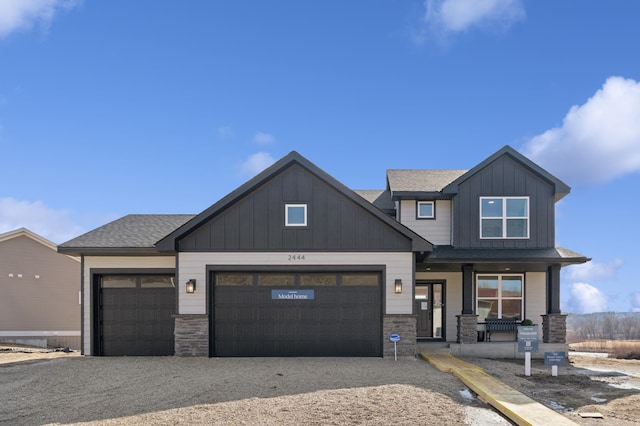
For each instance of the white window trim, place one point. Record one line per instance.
(433, 210)
(499, 297)
(286, 215)
(504, 218)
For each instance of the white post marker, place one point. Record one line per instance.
(554, 370)
(527, 363)
(395, 338)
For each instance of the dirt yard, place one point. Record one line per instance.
(587, 384)
(65, 388)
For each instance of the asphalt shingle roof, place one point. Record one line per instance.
(131, 231)
(421, 180)
(378, 197)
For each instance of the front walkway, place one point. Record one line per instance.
(519, 408)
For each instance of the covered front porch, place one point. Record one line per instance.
(528, 287)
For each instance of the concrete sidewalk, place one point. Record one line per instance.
(516, 406)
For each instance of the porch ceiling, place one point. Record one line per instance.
(483, 267)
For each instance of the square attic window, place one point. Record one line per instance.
(295, 215)
(426, 210)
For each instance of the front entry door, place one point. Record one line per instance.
(429, 306)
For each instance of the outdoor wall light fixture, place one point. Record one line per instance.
(398, 286)
(191, 286)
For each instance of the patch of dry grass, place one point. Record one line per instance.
(622, 349)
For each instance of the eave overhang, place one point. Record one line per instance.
(420, 196)
(110, 251)
(447, 255)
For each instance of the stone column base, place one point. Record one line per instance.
(554, 328)
(467, 328)
(191, 335)
(405, 326)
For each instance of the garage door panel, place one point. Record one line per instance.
(337, 321)
(137, 321)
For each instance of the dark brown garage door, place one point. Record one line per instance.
(136, 315)
(297, 314)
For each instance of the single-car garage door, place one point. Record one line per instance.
(296, 314)
(136, 315)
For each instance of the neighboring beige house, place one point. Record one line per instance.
(39, 292)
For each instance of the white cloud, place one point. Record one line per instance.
(443, 17)
(263, 138)
(592, 271)
(586, 298)
(635, 302)
(600, 138)
(22, 15)
(54, 225)
(256, 163)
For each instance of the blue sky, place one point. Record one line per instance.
(153, 106)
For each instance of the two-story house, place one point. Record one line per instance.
(294, 263)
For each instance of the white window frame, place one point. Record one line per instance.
(433, 210)
(504, 218)
(286, 214)
(500, 297)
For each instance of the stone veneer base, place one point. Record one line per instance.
(467, 329)
(554, 328)
(405, 326)
(191, 335)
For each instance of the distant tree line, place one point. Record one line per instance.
(603, 326)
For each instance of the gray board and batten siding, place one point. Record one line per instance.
(252, 217)
(505, 176)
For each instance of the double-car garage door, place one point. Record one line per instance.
(296, 314)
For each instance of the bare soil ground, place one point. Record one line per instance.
(587, 384)
(64, 388)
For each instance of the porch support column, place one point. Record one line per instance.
(467, 290)
(554, 328)
(467, 329)
(553, 289)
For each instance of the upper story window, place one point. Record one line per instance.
(426, 210)
(504, 217)
(295, 215)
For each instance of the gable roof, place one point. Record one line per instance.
(560, 188)
(412, 183)
(134, 233)
(169, 242)
(24, 232)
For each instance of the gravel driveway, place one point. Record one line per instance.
(235, 391)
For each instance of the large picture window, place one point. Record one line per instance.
(504, 217)
(499, 296)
